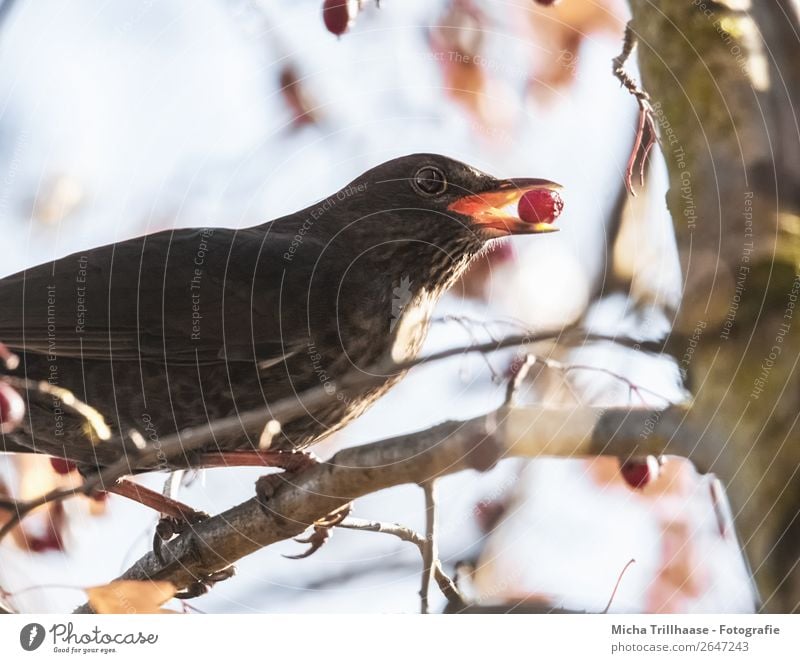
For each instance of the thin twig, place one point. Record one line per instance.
(518, 377)
(646, 133)
(616, 586)
(172, 484)
(429, 551)
(401, 532)
(632, 386)
(446, 584)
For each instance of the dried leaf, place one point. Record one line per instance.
(131, 597)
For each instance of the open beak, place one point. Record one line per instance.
(495, 210)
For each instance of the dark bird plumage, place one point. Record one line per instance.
(182, 327)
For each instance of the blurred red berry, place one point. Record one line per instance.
(12, 408)
(489, 514)
(336, 16)
(547, 3)
(50, 541)
(62, 465)
(638, 472)
(540, 206)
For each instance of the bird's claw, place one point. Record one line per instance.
(317, 540)
(202, 585)
(322, 531)
(267, 485)
(291, 462)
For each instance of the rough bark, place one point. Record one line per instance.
(725, 82)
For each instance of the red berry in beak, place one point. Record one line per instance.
(12, 408)
(336, 16)
(638, 472)
(62, 465)
(540, 206)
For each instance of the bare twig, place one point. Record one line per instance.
(430, 553)
(632, 386)
(19, 509)
(446, 584)
(646, 133)
(616, 586)
(401, 532)
(520, 372)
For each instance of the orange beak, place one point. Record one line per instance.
(495, 210)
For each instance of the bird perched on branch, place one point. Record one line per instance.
(182, 327)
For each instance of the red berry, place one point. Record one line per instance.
(489, 513)
(52, 538)
(540, 206)
(638, 472)
(62, 465)
(547, 3)
(336, 16)
(50, 541)
(12, 408)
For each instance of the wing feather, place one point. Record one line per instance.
(186, 295)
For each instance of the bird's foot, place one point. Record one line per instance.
(293, 463)
(152, 499)
(170, 527)
(322, 531)
(176, 517)
(202, 585)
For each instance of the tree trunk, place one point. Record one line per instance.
(724, 79)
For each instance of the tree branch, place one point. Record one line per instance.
(450, 447)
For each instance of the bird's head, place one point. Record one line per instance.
(387, 245)
(418, 219)
(441, 199)
(423, 214)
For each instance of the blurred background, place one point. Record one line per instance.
(128, 117)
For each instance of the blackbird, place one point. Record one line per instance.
(181, 327)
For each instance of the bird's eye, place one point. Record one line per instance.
(430, 181)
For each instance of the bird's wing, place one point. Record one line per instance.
(185, 295)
